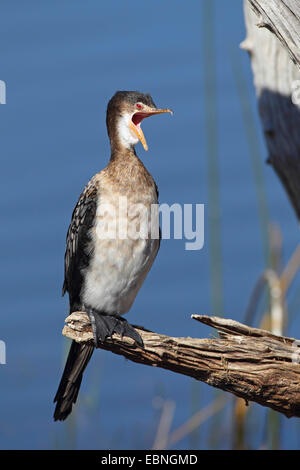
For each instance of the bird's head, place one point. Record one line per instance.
(125, 112)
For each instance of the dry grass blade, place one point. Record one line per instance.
(196, 420)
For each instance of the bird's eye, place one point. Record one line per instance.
(139, 106)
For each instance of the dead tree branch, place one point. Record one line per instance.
(249, 362)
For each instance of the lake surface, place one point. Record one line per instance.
(62, 61)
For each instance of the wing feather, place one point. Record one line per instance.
(77, 254)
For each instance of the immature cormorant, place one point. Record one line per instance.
(105, 263)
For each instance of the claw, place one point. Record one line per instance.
(104, 326)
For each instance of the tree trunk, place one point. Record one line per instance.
(273, 38)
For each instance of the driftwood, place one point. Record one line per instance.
(273, 38)
(249, 362)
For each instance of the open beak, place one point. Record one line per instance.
(135, 123)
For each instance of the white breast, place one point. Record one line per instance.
(118, 266)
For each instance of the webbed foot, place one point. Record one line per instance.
(105, 326)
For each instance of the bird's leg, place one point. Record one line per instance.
(105, 326)
(91, 315)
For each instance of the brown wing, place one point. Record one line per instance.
(77, 255)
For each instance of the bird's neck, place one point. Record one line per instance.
(122, 138)
(123, 154)
(127, 171)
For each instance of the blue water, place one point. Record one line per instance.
(61, 62)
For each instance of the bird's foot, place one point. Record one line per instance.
(104, 326)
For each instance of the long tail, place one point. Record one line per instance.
(66, 395)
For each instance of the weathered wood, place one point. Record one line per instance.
(277, 82)
(282, 18)
(250, 363)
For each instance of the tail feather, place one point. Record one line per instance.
(66, 395)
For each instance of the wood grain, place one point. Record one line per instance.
(249, 362)
(273, 38)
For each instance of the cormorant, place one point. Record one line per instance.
(105, 262)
